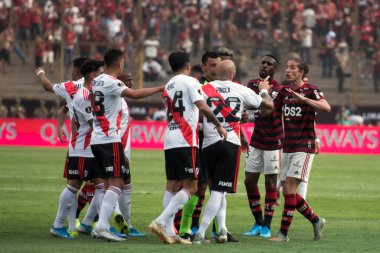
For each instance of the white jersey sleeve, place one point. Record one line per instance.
(67, 91)
(179, 96)
(227, 100)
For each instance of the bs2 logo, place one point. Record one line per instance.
(292, 111)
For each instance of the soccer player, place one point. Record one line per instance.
(227, 100)
(183, 101)
(264, 153)
(106, 144)
(299, 102)
(68, 198)
(192, 210)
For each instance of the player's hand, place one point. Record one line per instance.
(298, 97)
(244, 117)
(264, 84)
(222, 132)
(162, 88)
(244, 145)
(317, 147)
(39, 71)
(62, 135)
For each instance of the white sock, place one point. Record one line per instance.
(278, 185)
(98, 197)
(167, 197)
(125, 203)
(211, 209)
(110, 199)
(91, 212)
(117, 207)
(302, 189)
(72, 213)
(177, 202)
(64, 206)
(170, 228)
(221, 215)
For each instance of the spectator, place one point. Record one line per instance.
(48, 58)
(39, 51)
(6, 39)
(306, 44)
(24, 17)
(41, 112)
(342, 64)
(376, 70)
(17, 110)
(3, 109)
(4, 17)
(152, 70)
(36, 21)
(343, 116)
(70, 39)
(113, 27)
(151, 47)
(327, 54)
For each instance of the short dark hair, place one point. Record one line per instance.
(273, 57)
(112, 56)
(90, 66)
(178, 60)
(77, 62)
(224, 51)
(209, 54)
(196, 68)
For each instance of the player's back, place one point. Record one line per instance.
(67, 90)
(80, 143)
(106, 105)
(227, 100)
(179, 96)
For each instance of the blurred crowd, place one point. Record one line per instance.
(89, 27)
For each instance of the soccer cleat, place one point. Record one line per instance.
(187, 236)
(106, 235)
(230, 238)
(77, 223)
(60, 232)
(194, 230)
(198, 239)
(254, 231)
(84, 229)
(115, 232)
(180, 240)
(280, 238)
(133, 232)
(74, 233)
(159, 230)
(318, 228)
(121, 225)
(265, 232)
(222, 237)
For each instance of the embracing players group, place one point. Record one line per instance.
(203, 142)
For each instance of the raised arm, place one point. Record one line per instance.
(318, 105)
(46, 84)
(142, 93)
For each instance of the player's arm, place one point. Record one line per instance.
(317, 140)
(320, 105)
(45, 82)
(62, 115)
(206, 111)
(142, 93)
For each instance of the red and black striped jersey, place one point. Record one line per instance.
(299, 118)
(268, 133)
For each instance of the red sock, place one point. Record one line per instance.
(287, 214)
(255, 205)
(177, 219)
(304, 208)
(90, 192)
(82, 200)
(270, 204)
(197, 212)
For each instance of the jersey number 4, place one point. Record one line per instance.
(175, 106)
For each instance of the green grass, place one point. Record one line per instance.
(343, 189)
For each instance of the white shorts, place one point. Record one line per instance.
(48, 57)
(296, 165)
(263, 161)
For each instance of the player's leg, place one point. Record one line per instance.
(302, 189)
(254, 166)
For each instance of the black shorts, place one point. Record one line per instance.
(222, 162)
(111, 158)
(182, 163)
(203, 173)
(81, 168)
(4, 55)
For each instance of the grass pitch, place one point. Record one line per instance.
(342, 189)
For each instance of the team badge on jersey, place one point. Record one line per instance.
(120, 84)
(88, 109)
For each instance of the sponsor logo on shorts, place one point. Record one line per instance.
(124, 170)
(225, 184)
(109, 169)
(296, 164)
(274, 159)
(73, 172)
(189, 170)
(85, 173)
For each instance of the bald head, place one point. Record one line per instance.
(225, 70)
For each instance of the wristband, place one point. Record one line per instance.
(317, 140)
(263, 91)
(40, 72)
